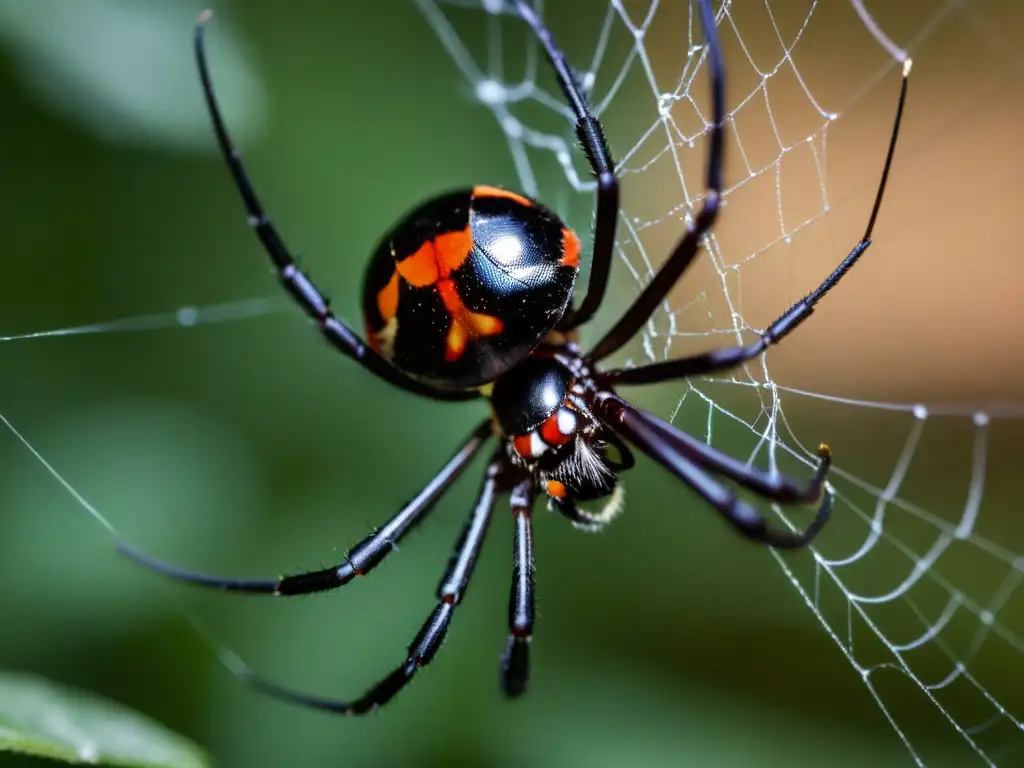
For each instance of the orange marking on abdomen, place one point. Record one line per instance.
(436, 258)
(420, 269)
(451, 249)
(387, 298)
(570, 249)
(466, 324)
(485, 191)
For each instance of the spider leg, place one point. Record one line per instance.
(450, 592)
(515, 664)
(631, 424)
(360, 560)
(773, 486)
(730, 357)
(687, 248)
(301, 288)
(591, 138)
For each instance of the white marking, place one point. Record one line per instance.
(537, 445)
(566, 421)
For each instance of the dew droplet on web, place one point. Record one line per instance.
(187, 316)
(665, 102)
(490, 91)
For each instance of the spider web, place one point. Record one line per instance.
(917, 577)
(918, 586)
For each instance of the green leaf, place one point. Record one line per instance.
(40, 718)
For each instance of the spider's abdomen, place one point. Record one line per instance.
(467, 284)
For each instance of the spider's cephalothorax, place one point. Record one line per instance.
(541, 408)
(471, 295)
(466, 284)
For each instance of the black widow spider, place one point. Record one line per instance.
(471, 295)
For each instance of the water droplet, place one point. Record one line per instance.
(665, 102)
(187, 316)
(490, 91)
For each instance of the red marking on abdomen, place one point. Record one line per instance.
(486, 191)
(432, 264)
(466, 324)
(452, 249)
(387, 298)
(570, 249)
(436, 259)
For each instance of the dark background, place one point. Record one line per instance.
(249, 448)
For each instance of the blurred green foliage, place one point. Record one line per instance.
(250, 448)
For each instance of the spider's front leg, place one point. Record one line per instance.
(295, 281)
(591, 138)
(654, 438)
(729, 357)
(359, 561)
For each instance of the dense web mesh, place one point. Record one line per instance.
(912, 588)
(919, 587)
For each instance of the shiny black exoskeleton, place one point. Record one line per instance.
(527, 395)
(470, 296)
(464, 286)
